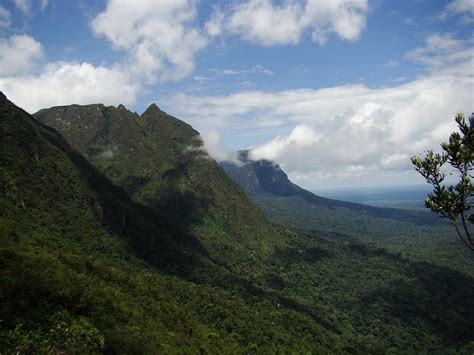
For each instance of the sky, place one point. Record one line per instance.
(340, 93)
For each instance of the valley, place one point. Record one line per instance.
(119, 233)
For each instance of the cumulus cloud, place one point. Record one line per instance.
(66, 83)
(18, 54)
(263, 22)
(352, 130)
(159, 37)
(346, 18)
(269, 24)
(300, 138)
(160, 40)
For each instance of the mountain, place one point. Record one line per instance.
(84, 268)
(160, 162)
(265, 177)
(286, 203)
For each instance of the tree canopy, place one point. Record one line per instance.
(452, 201)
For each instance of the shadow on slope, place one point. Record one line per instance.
(50, 180)
(158, 236)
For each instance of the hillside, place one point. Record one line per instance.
(159, 160)
(84, 268)
(421, 235)
(265, 177)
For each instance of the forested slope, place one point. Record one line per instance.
(84, 268)
(422, 236)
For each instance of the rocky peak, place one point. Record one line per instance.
(153, 109)
(262, 174)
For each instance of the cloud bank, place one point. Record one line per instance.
(353, 130)
(65, 83)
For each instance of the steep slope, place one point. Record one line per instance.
(77, 276)
(265, 177)
(159, 160)
(80, 261)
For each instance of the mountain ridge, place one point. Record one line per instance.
(417, 234)
(264, 176)
(160, 161)
(86, 268)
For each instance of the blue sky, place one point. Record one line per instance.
(340, 92)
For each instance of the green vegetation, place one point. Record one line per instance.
(85, 268)
(452, 202)
(418, 236)
(160, 162)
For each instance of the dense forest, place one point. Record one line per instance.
(418, 235)
(125, 236)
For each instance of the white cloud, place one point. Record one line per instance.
(268, 24)
(256, 69)
(346, 18)
(211, 139)
(262, 22)
(300, 138)
(441, 50)
(18, 54)
(464, 8)
(4, 17)
(23, 6)
(461, 6)
(65, 83)
(213, 27)
(352, 130)
(159, 37)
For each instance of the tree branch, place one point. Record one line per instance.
(468, 244)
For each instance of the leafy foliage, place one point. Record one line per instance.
(84, 268)
(454, 201)
(159, 160)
